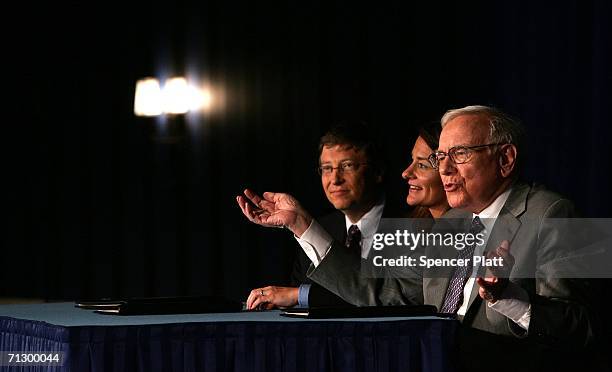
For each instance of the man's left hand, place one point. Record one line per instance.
(496, 280)
(272, 297)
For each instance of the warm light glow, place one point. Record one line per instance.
(176, 96)
(148, 98)
(200, 99)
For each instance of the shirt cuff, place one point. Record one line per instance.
(315, 242)
(515, 305)
(303, 291)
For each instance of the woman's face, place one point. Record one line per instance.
(424, 185)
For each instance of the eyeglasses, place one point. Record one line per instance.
(346, 167)
(458, 154)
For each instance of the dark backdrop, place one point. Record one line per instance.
(102, 203)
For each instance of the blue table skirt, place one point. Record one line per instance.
(227, 342)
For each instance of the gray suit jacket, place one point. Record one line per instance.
(560, 311)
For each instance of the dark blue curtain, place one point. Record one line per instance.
(102, 203)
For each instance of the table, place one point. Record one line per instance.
(245, 341)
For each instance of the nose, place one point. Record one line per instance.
(446, 166)
(408, 173)
(337, 176)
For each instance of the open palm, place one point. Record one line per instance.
(273, 210)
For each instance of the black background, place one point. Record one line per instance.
(103, 203)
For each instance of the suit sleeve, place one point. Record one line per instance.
(561, 308)
(300, 268)
(321, 297)
(341, 273)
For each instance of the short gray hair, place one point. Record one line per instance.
(502, 127)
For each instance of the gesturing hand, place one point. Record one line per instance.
(275, 210)
(496, 280)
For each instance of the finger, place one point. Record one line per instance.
(486, 295)
(483, 293)
(502, 271)
(256, 199)
(504, 253)
(503, 250)
(489, 291)
(251, 298)
(242, 204)
(272, 196)
(507, 260)
(258, 301)
(268, 293)
(487, 283)
(504, 245)
(485, 289)
(249, 212)
(256, 215)
(267, 205)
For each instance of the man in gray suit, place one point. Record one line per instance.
(478, 158)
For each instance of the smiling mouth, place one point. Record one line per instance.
(339, 192)
(414, 187)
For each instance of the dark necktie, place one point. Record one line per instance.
(353, 239)
(454, 293)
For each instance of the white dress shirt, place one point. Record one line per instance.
(316, 242)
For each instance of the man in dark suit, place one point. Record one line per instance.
(351, 170)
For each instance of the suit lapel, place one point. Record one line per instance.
(506, 225)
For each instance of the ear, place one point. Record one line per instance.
(507, 159)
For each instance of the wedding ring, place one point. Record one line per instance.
(261, 290)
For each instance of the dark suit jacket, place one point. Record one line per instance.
(335, 224)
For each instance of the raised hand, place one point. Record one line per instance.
(496, 280)
(274, 210)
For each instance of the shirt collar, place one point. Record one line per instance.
(490, 213)
(368, 223)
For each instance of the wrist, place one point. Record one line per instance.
(300, 225)
(293, 295)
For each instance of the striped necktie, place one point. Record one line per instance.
(454, 293)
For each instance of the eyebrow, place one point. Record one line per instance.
(341, 160)
(418, 157)
(458, 145)
(349, 159)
